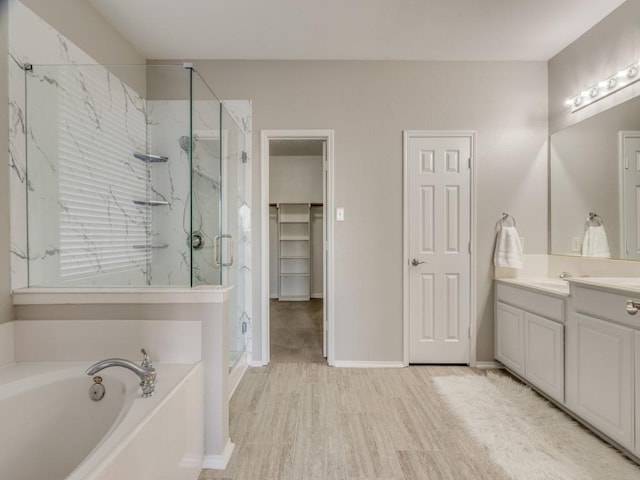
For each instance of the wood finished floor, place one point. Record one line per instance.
(299, 419)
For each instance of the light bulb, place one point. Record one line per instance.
(594, 92)
(612, 82)
(632, 71)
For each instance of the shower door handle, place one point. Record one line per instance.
(218, 250)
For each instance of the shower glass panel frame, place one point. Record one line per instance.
(136, 176)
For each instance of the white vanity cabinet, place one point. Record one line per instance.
(509, 341)
(600, 363)
(529, 337)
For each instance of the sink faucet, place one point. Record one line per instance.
(145, 372)
(565, 275)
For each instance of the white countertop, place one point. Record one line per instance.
(556, 286)
(615, 284)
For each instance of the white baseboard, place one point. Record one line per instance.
(219, 462)
(358, 364)
(488, 365)
(317, 295)
(273, 296)
(256, 363)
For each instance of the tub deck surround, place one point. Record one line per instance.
(169, 424)
(120, 295)
(174, 324)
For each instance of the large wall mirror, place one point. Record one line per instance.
(595, 169)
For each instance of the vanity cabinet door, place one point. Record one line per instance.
(544, 355)
(600, 384)
(509, 337)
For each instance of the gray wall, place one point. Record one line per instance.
(296, 179)
(81, 23)
(610, 45)
(369, 104)
(6, 307)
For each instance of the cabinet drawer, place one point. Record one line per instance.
(537, 303)
(609, 306)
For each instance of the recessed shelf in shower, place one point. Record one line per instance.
(149, 247)
(151, 203)
(150, 158)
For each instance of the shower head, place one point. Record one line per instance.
(186, 144)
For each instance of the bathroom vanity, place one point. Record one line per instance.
(577, 343)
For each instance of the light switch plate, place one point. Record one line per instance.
(340, 214)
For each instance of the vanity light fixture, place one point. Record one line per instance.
(604, 88)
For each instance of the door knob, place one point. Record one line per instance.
(415, 262)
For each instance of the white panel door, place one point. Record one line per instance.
(439, 203)
(631, 195)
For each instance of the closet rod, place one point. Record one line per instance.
(311, 204)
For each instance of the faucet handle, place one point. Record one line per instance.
(146, 361)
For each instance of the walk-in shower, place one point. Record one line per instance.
(136, 176)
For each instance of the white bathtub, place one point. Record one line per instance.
(49, 428)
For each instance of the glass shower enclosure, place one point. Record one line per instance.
(136, 176)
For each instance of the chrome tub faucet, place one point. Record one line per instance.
(145, 371)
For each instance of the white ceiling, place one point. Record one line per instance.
(353, 29)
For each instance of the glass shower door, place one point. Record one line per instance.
(206, 185)
(236, 228)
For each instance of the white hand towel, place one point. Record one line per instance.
(508, 251)
(595, 243)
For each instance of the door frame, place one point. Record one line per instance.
(328, 295)
(622, 169)
(406, 136)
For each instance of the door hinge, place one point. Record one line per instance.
(244, 327)
(469, 247)
(469, 332)
(626, 163)
(469, 163)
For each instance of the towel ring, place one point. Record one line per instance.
(505, 219)
(594, 220)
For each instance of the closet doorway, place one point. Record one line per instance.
(296, 246)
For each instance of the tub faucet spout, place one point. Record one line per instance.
(147, 375)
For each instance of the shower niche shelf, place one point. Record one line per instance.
(149, 247)
(150, 158)
(294, 250)
(151, 203)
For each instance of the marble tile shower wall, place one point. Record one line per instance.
(31, 40)
(74, 110)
